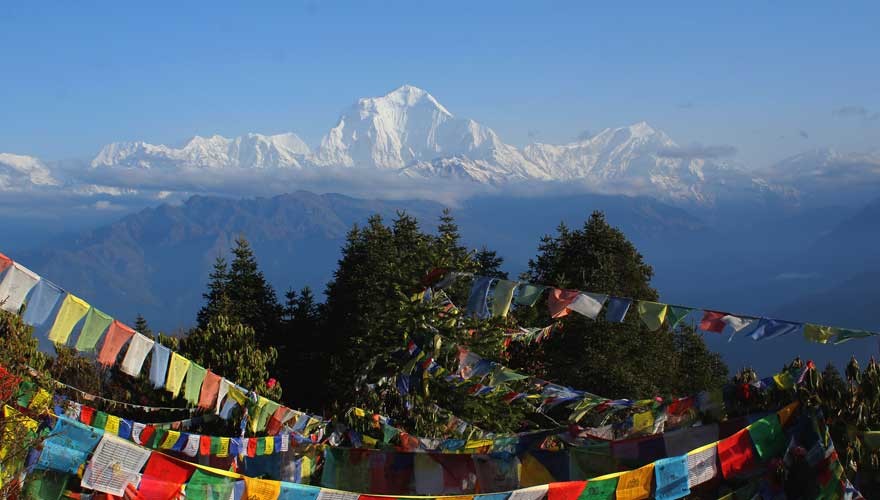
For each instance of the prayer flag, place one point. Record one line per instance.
(737, 324)
(671, 476)
(204, 445)
(675, 314)
(137, 352)
(616, 309)
(528, 294)
(73, 309)
(588, 304)
(559, 300)
(768, 437)
(713, 321)
(501, 297)
(194, 377)
(652, 314)
(702, 465)
(159, 365)
(112, 425)
(117, 335)
(786, 413)
(844, 335)
(476, 303)
(635, 484)
(176, 372)
(261, 489)
(191, 448)
(531, 493)
(210, 387)
(820, 334)
(771, 328)
(600, 489)
(15, 286)
(164, 477)
(42, 300)
(643, 422)
(736, 454)
(566, 490)
(93, 328)
(4, 262)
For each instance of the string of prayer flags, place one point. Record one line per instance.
(210, 388)
(772, 328)
(16, 284)
(527, 294)
(193, 387)
(588, 304)
(616, 309)
(41, 302)
(136, 354)
(117, 335)
(559, 300)
(95, 325)
(652, 314)
(713, 321)
(73, 309)
(502, 296)
(177, 369)
(159, 365)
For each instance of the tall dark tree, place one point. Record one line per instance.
(141, 325)
(610, 359)
(216, 296)
(252, 299)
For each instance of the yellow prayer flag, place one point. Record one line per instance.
(783, 380)
(306, 469)
(473, 444)
(643, 422)
(177, 369)
(636, 484)
(72, 310)
(371, 442)
(818, 333)
(224, 447)
(652, 314)
(112, 425)
(359, 412)
(261, 489)
(786, 413)
(270, 445)
(254, 417)
(169, 440)
(40, 400)
(237, 396)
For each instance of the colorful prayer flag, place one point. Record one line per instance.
(93, 328)
(652, 314)
(616, 309)
(73, 309)
(736, 454)
(713, 321)
(117, 335)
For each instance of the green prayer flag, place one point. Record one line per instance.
(605, 489)
(95, 325)
(261, 447)
(193, 386)
(46, 484)
(100, 420)
(501, 297)
(674, 315)
(389, 433)
(25, 393)
(652, 314)
(501, 374)
(768, 437)
(204, 486)
(215, 446)
(847, 335)
(528, 294)
(265, 412)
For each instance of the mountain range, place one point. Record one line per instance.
(408, 134)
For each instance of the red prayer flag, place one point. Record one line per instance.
(736, 453)
(117, 335)
(274, 424)
(163, 477)
(251, 447)
(679, 406)
(568, 490)
(712, 322)
(210, 389)
(205, 445)
(86, 414)
(558, 301)
(4, 262)
(147, 434)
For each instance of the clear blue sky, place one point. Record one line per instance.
(765, 77)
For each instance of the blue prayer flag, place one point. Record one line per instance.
(476, 303)
(770, 328)
(616, 309)
(671, 476)
(159, 365)
(41, 302)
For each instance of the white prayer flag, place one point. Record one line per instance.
(115, 463)
(15, 286)
(588, 304)
(137, 352)
(702, 466)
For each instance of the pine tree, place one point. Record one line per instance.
(141, 325)
(216, 297)
(489, 264)
(252, 299)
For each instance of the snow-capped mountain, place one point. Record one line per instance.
(828, 175)
(248, 151)
(19, 172)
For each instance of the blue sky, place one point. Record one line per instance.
(763, 77)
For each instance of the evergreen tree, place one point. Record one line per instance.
(141, 325)
(610, 359)
(489, 264)
(216, 297)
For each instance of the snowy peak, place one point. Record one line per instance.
(19, 172)
(248, 151)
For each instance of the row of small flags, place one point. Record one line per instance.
(493, 297)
